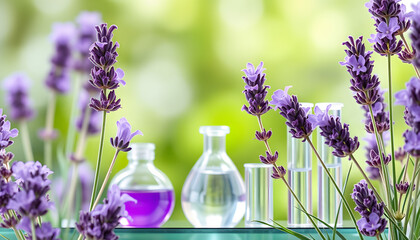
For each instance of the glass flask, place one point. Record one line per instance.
(328, 197)
(148, 185)
(299, 166)
(213, 194)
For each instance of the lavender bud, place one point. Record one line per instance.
(402, 187)
(278, 173)
(263, 136)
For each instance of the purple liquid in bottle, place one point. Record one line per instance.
(153, 208)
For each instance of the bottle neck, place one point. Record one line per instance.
(214, 143)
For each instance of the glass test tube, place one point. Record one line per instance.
(299, 166)
(328, 197)
(259, 194)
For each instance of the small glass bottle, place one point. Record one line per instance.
(213, 194)
(148, 185)
(328, 197)
(299, 166)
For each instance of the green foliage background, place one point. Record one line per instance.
(183, 61)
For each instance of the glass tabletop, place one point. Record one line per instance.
(213, 233)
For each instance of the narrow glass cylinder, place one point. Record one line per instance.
(299, 166)
(259, 194)
(328, 197)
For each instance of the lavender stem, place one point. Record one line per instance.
(27, 146)
(49, 128)
(346, 204)
(33, 229)
(391, 127)
(98, 162)
(413, 221)
(108, 174)
(71, 133)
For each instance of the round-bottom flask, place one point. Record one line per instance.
(213, 194)
(148, 185)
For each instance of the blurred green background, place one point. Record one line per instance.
(183, 62)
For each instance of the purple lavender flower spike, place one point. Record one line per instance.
(5, 132)
(296, 116)
(374, 173)
(381, 116)
(400, 154)
(108, 104)
(58, 79)
(101, 222)
(415, 33)
(372, 226)
(255, 90)
(375, 160)
(389, 22)
(33, 182)
(86, 22)
(17, 86)
(43, 232)
(264, 135)
(402, 187)
(336, 135)
(388, 30)
(276, 174)
(102, 79)
(372, 222)
(358, 63)
(410, 98)
(412, 143)
(7, 192)
(124, 136)
(103, 52)
(269, 159)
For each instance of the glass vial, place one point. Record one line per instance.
(148, 185)
(259, 194)
(328, 197)
(299, 166)
(213, 194)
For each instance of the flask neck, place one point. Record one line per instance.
(214, 143)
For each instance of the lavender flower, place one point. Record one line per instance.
(5, 132)
(379, 113)
(412, 142)
(32, 179)
(7, 192)
(363, 83)
(107, 104)
(402, 187)
(415, 34)
(366, 202)
(276, 174)
(101, 222)
(45, 231)
(122, 141)
(86, 36)
(17, 86)
(400, 154)
(255, 90)
(263, 136)
(335, 134)
(410, 98)
(103, 55)
(374, 173)
(296, 116)
(372, 225)
(58, 78)
(269, 159)
(389, 22)
(375, 160)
